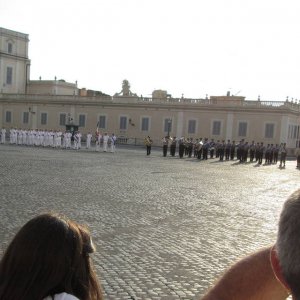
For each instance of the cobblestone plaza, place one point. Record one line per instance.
(165, 228)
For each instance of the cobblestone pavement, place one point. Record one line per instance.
(165, 228)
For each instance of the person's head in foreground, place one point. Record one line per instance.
(47, 257)
(285, 256)
(271, 273)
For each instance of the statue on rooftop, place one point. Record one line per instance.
(126, 89)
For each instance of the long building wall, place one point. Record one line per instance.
(221, 121)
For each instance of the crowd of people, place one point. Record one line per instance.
(225, 150)
(59, 139)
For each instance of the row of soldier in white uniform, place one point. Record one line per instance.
(202, 148)
(58, 139)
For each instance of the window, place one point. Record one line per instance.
(269, 131)
(242, 129)
(81, 122)
(9, 47)
(216, 128)
(44, 118)
(192, 126)
(168, 125)
(145, 124)
(62, 119)
(25, 117)
(123, 123)
(8, 116)
(102, 122)
(9, 75)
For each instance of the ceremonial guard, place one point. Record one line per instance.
(105, 141)
(205, 148)
(3, 135)
(261, 150)
(200, 148)
(190, 147)
(222, 150)
(165, 145)
(148, 143)
(232, 150)
(282, 152)
(173, 146)
(276, 152)
(252, 151)
(245, 152)
(181, 147)
(98, 140)
(76, 140)
(88, 140)
(267, 154)
(113, 141)
(211, 148)
(227, 149)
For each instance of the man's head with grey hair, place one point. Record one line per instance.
(288, 243)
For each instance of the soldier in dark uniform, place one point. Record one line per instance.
(267, 155)
(181, 147)
(271, 153)
(252, 151)
(261, 153)
(227, 149)
(211, 148)
(222, 150)
(195, 147)
(232, 150)
(257, 152)
(276, 152)
(238, 151)
(186, 148)
(200, 149)
(173, 146)
(217, 147)
(282, 151)
(205, 148)
(165, 145)
(190, 147)
(241, 151)
(245, 152)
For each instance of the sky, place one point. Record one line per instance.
(192, 48)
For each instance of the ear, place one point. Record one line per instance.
(277, 268)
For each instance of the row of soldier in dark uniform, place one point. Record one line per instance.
(202, 148)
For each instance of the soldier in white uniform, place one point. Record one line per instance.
(3, 134)
(105, 141)
(88, 140)
(98, 140)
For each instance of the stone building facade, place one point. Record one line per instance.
(53, 104)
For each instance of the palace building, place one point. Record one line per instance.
(53, 104)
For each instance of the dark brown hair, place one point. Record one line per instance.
(49, 255)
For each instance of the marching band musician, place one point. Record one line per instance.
(148, 143)
(165, 145)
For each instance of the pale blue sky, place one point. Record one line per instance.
(190, 47)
